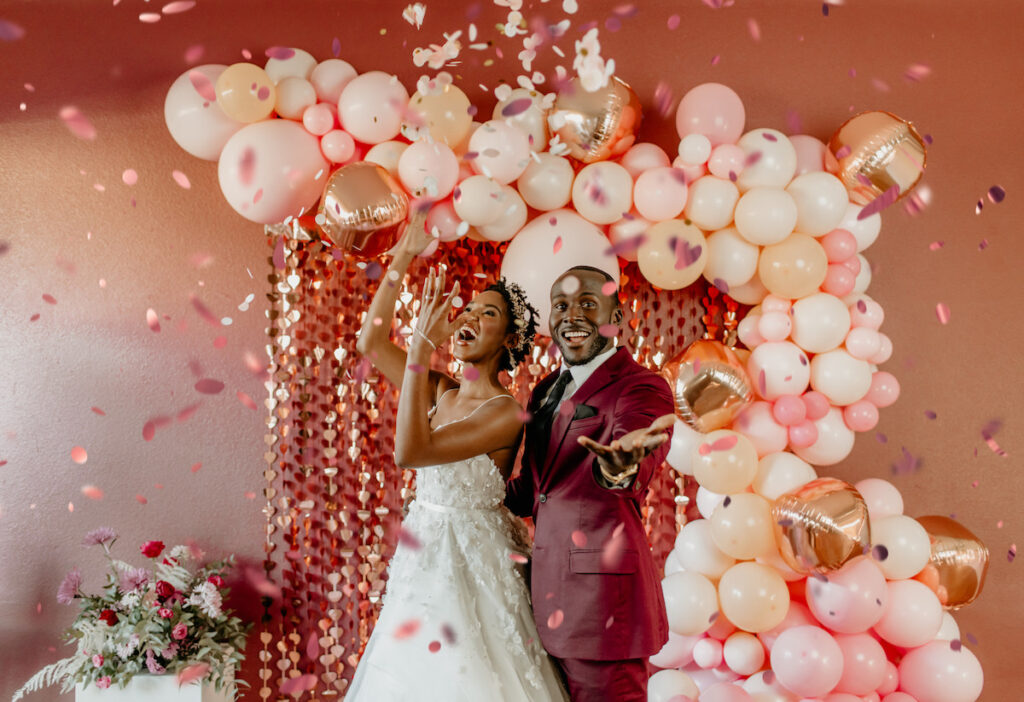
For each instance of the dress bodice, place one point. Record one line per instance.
(473, 483)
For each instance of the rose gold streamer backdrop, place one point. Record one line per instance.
(333, 494)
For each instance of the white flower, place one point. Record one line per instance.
(131, 599)
(514, 5)
(437, 56)
(207, 598)
(434, 86)
(590, 67)
(413, 14)
(128, 648)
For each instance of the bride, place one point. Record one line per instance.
(456, 622)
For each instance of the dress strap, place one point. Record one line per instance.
(462, 419)
(434, 408)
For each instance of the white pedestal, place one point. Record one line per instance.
(152, 688)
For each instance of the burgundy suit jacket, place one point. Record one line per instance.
(596, 591)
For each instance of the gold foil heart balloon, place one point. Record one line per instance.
(709, 385)
(597, 125)
(821, 525)
(958, 564)
(874, 151)
(363, 209)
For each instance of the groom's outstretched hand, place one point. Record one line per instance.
(618, 462)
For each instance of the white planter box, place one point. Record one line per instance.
(152, 688)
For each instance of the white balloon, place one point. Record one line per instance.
(743, 653)
(835, 441)
(627, 234)
(707, 653)
(533, 121)
(765, 215)
(509, 221)
(198, 125)
(707, 501)
(666, 685)
(950, 630)
(747, 330)
(757, 424)
(330, 77)
(533, 260)
(761, 691)
(546, 184)
(696, 550)
(865, 231)
(820, 322)
(775, 162)
(821, 201)
(478, 199)
(731, 258)
(684, 439)
(840, 377)
(711, 202)
(502, 151)
(602, 192)
(300, 65)
(387, 154)
(781, 472)
(906, 542)
(690, 601)
(672, 564)
(677, 651)
(695, 149)
(780, 368)
(863, 279)
(882, 498)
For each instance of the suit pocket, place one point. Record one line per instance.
(596, 561)
(586, 424)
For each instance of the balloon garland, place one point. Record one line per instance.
(790, 585)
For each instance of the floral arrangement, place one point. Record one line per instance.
(165, 619)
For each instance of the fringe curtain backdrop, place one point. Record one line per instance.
(333, 493)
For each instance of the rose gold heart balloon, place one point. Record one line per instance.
(958, 564)
(709, 385)
(597, 125)
(363, 209)
(874, 151)
(821, 525)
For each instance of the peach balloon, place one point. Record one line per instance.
(501, 151)
(386, 154)
(765, 215)
(443, 114)
(711, 202)
(743, 652)
(750, 293)
(724, 462)
(742, 526)
(690, 601)
(546, 183)
(793, 268)
(696, 551)
(603, 192)
(732, 260)
(478, 199)
(660, 193)
(913, 616)
(901, 546)
(245, 92)
(643, 157)
(771, 160)
(840, 377)
(674, 253)
(781, 472)
(294, 95)
(753, 596)
(524, 110)
(510, 220)
(429, 169)
(820, 322)
(371, 107)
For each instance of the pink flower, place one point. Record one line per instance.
(179, 631)
(151, 663)
(99, 536)
(97, 661)
(103, 683)
(152, 549)
(133, 579)
(216, 580)
(165, 613)
(68, 589)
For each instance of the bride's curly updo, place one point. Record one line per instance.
(522, 321)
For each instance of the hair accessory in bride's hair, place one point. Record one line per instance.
(523, 320)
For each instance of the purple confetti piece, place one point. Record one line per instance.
(336, 47)
(721, 285)
(955, 645)
(930, 415)
(844, 151)
(762, 383)
(687, 255)
(971, 639)
(727, 501)
(247, 166)
(409, 539)
(752, 158)
(768, 136)
(9, 31)
(517, 107)
(996, 194)
(281, 53)
(907, 464)
(879, 552)
(77, 123)
(626, 246)
(879, 203)
(1011, 553)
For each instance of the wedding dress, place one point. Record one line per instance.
(456, 625)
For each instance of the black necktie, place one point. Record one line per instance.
(545, 415)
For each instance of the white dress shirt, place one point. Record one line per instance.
(582, 372)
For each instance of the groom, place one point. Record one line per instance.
(597, 434)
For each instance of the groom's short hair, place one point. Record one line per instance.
(604, 274)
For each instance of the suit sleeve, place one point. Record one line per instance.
(519, 493)
(637, 407)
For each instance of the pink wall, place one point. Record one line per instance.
(94, 348)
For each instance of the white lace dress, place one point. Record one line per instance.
(456, 623)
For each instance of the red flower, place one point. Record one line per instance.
(164, 589)
(216, 580)
(109, 616)
(152, 549)
(165, 613)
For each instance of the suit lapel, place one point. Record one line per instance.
(605, 374)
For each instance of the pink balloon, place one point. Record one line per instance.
(941, 672)
(660, 193)
(677, 651)
(839, 245)
(338, 146)
(797, 615)
(899, 697)
(774, 303)
(891, 679)
(774, 326)
(727, 161)
(851, 599)
(861, 416)
(196, 122)
(817, 404)
(371, 107)
(839, 280)
(707, 653)
(865, 312)
(884, 390)
(803, 434)
(725, 692)
(428, 169)
(810, 153)
(643, 157)
(853, 263)
(884, 352)
(714, 110)
(789, 410)
(807, 661)
(863, 343)
(912, 617)
(863, 663)
(318, 119)
(690, 173)
(871, 697)
(502, 151)
(443, 217)
(757, 424)
(841, 697)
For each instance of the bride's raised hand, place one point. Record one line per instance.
(416, 238)
(434, 324)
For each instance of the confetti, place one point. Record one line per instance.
(936, 245)
(209, 386)
(98, 411)
(996, 194)
(9, 31)
(470, 373)
(194, 53)
(77, 123)
(195, 467)
(130, 177)
(687, 255)
(555, 619)
(517, 558)
(1011, 553)
(407, 629)
(186, 414)
(414, 14)
(673, 22)
(203, 85)
(557, 246)
(942, 312)
(181, 179)
(196, 671)
(49, 299)
(246, 400)
(153, 320)
(92, 492)
(408, 539)
(298, 684)
(879, 203)
(149, 17)
(754, 28)
(434, 646)
(880, 552)
(203, 311)
(177, 7)
(79, 455)
(281, 53)
(579, 539)
(608, 331)
(908, 463)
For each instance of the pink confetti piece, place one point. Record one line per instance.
(203, 311)
(558, 245)
(220, 342)
(936, 245)
(195, 467)
(880, 85)
(279, 254)
(181, 179)
(335, 47)
(687, 255)
(517, 558)
(416, 368)
(942, 312)
(609, 288)
(434, 646)
(300, 683)
(203, 85)
(407, 629)
(996, 194)
(149, 17)
(194, 53)
(579, 539)
(754, 28)
(983, 244)
(930, 414)
(79, 455)
(1011, 553)
(555, 619)
(193, 672)
(177, 7)
(673, 23)
(77, 123)
(408, 539)
(608, 331)
(186, 414)
(9, 31)
(917, 72)
(715, 59)
(246, 400)
(141, 499)
(49, 299)
(130, 177)
(209, 386)
(98, 411)
(879, 203)
(470, 373)
(663, 99)
(281, 53)
(92, 492)
(448, 633)
(153, 320)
